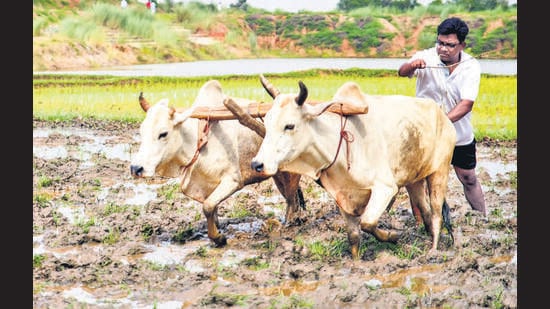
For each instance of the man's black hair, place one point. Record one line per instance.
(453, 25)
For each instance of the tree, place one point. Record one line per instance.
(402, 5)
(241, 5)
(480, 5)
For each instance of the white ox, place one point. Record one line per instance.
(400, 141)
(170, 140)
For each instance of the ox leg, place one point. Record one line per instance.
(354, 233)
(420, 204)
(437, 188)
(210, 209)
(211, 214)
(289, 186)
(378, 202)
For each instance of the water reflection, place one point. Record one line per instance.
(84, 151)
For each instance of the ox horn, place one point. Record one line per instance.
(302, 96)
(273, 92)
(144, 104)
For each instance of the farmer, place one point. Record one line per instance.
(450, 76)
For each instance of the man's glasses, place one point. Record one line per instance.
(443, 44)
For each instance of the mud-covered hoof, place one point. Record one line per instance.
(394, 236)
(220, 241)
(296, 221)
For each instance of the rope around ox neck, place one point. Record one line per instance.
(344, 135)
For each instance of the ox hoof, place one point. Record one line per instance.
(296, 221)
(394, 236)
(435, 256)
(220, 241)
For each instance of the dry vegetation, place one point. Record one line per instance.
(234, 34)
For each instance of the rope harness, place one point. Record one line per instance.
(344, 135)
(258, 113)
(203, 129)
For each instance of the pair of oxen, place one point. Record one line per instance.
(360, 148)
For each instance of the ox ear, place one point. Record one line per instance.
(179, 117)
(350, 93)
(210, 94)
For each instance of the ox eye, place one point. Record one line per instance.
(163, 135)
(289, 127)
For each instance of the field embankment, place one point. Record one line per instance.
(83, 35)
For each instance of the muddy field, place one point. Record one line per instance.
(102, 239)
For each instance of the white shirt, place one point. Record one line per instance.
(448, 90)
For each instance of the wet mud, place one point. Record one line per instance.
(102, 239)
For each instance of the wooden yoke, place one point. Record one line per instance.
(255, 110)
(246, 113)
(244, 117)
(258, 110)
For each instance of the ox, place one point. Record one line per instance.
(400, 141)
(212, 157)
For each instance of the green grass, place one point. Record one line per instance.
(112, 237)
(169, 191)
(292, 301)
(38, 260)
(239, 210)
(44, 181)
(42, 199)
(255, 263)
(112, 208)
(65, 97)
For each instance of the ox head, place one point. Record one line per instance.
(288, 133)
(161, 139)
(168, 140)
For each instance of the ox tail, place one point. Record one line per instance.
(301, 200)
(447, 219)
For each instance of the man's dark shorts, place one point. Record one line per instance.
(465, 156)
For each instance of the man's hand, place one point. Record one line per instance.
(408, 68)
(418, 64)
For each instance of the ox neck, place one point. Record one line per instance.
(330, 151)
(193, 139)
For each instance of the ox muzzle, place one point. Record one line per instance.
(257, 166)
(136, 170)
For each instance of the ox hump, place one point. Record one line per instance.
(350, 93)
(210, 94)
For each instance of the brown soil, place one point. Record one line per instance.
(283, 269)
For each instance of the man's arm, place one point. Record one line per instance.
(407, 68)
(462, 108)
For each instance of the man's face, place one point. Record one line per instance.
(448, 47)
